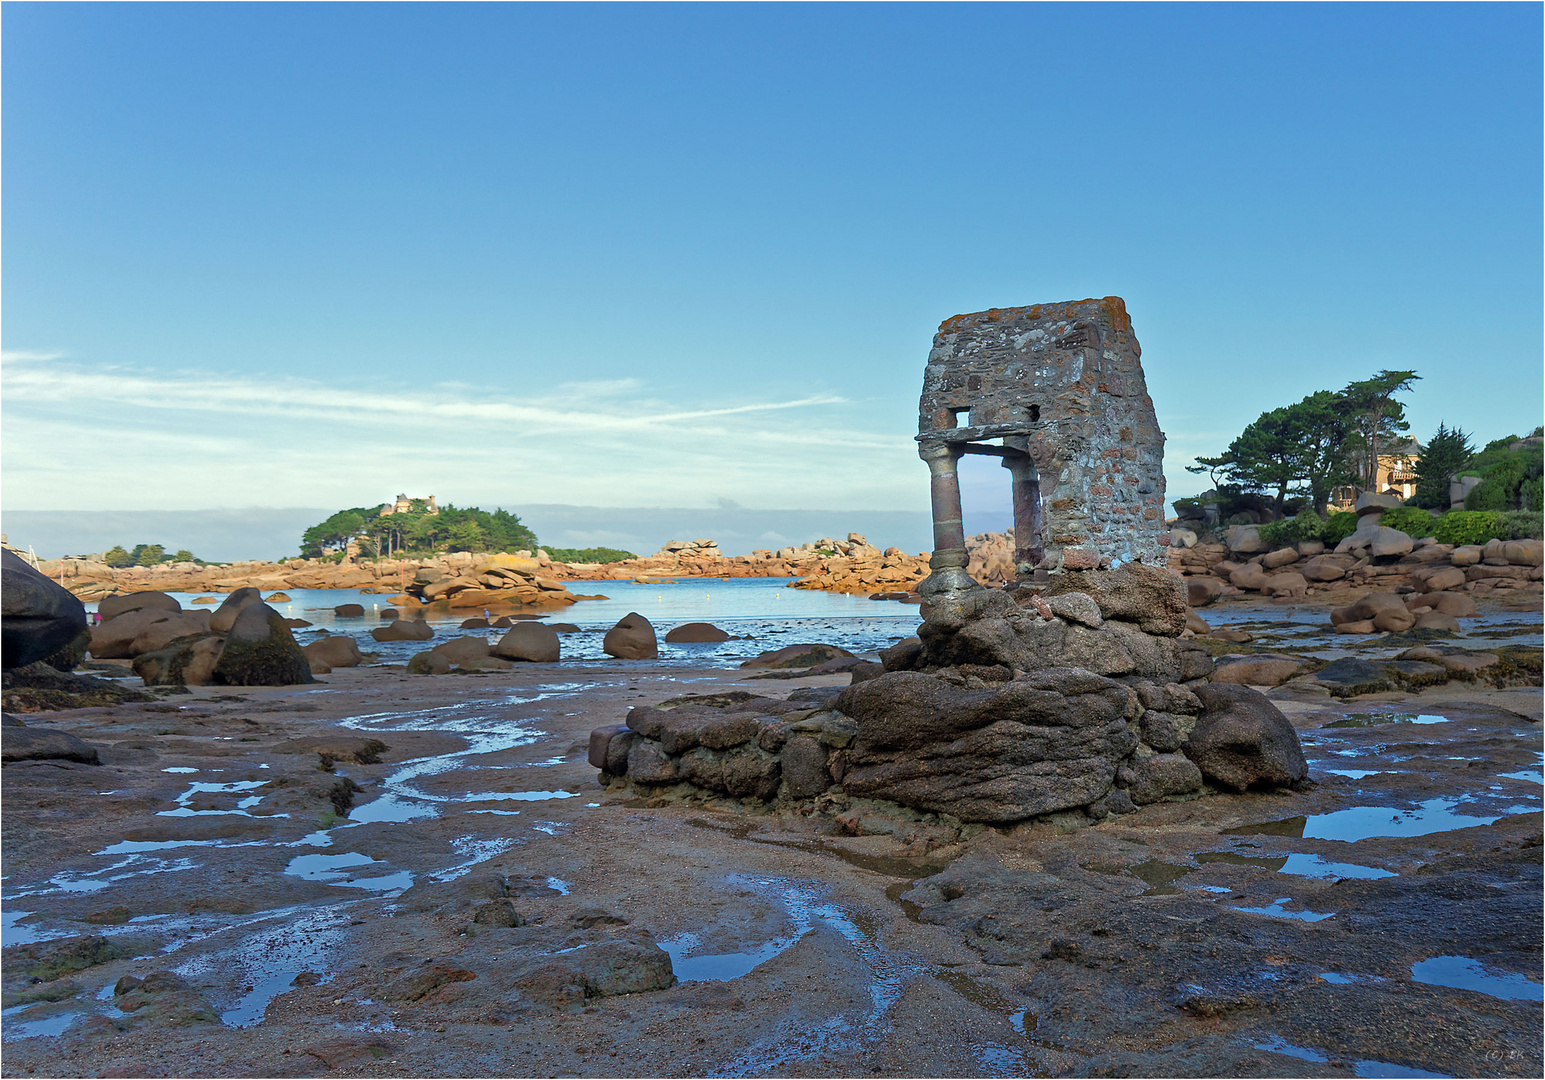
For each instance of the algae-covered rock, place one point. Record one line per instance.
(188, 661)
(41, 687)
(260, 651)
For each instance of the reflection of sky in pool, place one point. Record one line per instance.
(1463, 973)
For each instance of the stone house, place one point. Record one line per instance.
(1395, 475)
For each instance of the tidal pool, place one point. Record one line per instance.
(1463, 973)
(1364, 822)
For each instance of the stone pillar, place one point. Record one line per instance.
(1029, 546)
(949, 558)
(943, 461)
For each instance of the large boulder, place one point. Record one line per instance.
(1376, 540)
(110, 607)
(464, 650)
(404, 630)
(337, 650)
(1249, 576)
(1524, 552)
(1366, 609)
(224, 616)
(797, 656)
(261, 651)
(167, 629)
(1281, 557)
(1244, 540)
(532, 642)
(1159, 776)
(695, 632)
(1241, 740)
(1351, 675)
(1326, 567)
(45, 744)
(1390, 542)
(1049, 741)
(1150, 596)
(143, 630)
(1458, 605)
(38, 617)
(186, 662)
(1439, 579)
(1258, 669)
(1373, 503)
(1202, 590)
(1287, 583)
(632, 638)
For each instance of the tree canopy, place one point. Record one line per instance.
(1296, 450)
(1446, 453)
(1376, 418)
(417, 530)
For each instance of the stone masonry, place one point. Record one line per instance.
(1056, 391)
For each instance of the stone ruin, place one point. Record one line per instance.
(1076, 687)
(1060, 388)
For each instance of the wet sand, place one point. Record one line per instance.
(1387, 920)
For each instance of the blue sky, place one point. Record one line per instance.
(678, 256)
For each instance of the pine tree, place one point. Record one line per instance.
(1446, 453)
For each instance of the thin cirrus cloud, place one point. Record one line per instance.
(76, 433)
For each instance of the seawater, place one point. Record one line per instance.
(763, 611)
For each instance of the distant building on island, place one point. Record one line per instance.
(404, 505)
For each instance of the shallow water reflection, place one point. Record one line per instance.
(1463, 973)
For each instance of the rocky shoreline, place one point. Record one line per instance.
(384, 923)
(1229, 855)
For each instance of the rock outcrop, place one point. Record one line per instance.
(38, 617)
(531, 642)
(1007, 706)
(260, 651)
(633, 638)
(696, 633)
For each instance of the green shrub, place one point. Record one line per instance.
(588, 555)
(1459, 527)
(1306, 526)
(1533, 494)
(1409, 520)
(1188, 508)
(1338, 526)
(1499, 489)
(1524, 525)
(116, 557)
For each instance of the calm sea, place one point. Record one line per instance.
(765, 610)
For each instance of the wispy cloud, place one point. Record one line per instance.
(190, 438)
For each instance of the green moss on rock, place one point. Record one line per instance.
(261, 651)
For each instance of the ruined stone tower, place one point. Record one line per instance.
(1056, 391)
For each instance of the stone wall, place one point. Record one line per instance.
(1063, 385)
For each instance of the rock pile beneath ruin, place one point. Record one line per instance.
(1006, 707)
